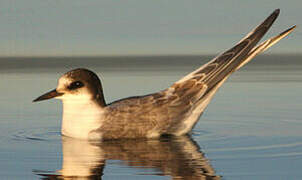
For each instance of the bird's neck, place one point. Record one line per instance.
(81, 117)
(100, 99)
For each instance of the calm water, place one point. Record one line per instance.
(251, 130)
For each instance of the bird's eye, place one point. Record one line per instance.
(75, 85)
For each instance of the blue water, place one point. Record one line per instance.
(251, 129)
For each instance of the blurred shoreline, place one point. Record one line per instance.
(143, 63)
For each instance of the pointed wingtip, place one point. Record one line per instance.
(270, 42)
(270, 19)
(277, 11)
(289, 30)
(262, 28)
(284, 33)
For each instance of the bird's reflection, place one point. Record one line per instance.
(177, 157)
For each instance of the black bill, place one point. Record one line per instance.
(49, 95)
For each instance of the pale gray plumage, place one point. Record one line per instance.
(176, 109)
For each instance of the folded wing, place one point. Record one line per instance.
(177, 109)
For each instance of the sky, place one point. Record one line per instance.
(139, 27)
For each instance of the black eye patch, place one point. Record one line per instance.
(75, 85)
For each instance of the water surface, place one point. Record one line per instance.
(250, 130)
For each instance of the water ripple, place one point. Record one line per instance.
(38, 134)
(290, 145)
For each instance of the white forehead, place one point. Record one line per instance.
(64, 81)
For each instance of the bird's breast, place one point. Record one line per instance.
(81, 119)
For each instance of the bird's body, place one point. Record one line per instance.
(173, 111)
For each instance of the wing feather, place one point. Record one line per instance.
(167, 111)
(224, 64)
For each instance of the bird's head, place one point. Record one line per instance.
(76, 85)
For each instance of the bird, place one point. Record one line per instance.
(172, 111)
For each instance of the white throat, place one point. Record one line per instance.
(80, 117)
